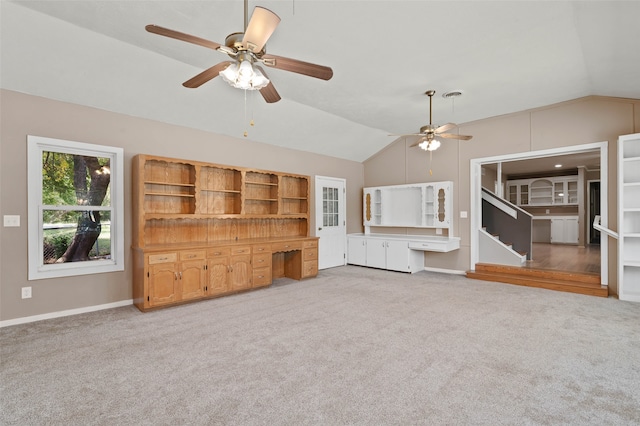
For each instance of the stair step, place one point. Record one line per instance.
(578, 277)
(572, 282)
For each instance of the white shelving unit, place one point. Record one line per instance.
(420, 205)
(629, 217)
(550, 191)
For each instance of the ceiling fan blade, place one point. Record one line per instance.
(182, 36)
(262, 24)
(206, 75)
(445, 127)
(269, 92)
(300, 67)
(408, 134)
(452, 136)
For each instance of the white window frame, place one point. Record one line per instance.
(36, 145)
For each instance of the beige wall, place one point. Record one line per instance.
(586, 120)
(23, 115)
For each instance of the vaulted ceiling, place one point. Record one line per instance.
(503, 56)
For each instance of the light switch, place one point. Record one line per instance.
(11, 220)
(463, 215)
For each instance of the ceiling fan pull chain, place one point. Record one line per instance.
(430, 161)
(251, 122)
(245, 112)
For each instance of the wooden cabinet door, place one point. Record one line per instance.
(218, 276)
(192, 279)
(163, 282)
(240, 272)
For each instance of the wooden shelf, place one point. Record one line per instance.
(191, 185)
(261, 183)
(229, 191)
(168, 194)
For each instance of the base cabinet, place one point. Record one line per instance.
(167, 278)
(357, 251)
(564, 230)
(390, 254)
(170, 280)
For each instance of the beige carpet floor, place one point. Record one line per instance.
(355, 346)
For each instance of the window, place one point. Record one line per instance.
(330, 206)
(76, 209)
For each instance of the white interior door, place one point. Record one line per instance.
(331, 224)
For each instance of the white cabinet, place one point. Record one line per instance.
(551, 191)
(357, 250)
(564, 230)
(393, 255)
(629, 217)
(404, 253)
(420, 205)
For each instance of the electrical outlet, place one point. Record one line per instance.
(11, 220)
(26, 292)
(463, 214)
(438, 231)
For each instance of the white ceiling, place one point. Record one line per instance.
(504, 56)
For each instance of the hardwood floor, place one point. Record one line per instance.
(565, 258)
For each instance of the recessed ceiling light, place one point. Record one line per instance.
(557, 166)
(452, 94)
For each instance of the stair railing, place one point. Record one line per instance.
(513, 224)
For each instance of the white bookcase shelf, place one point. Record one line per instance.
(629, 217)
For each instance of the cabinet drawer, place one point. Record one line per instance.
(310, 244)
(286, 246)
(261, 248)
(261, 277)
(261, 260)
(218, 252)
(240, 250)
(162, 258)
(192, 254)
(310, 253)
(310, 268)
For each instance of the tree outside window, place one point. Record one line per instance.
(75, 211)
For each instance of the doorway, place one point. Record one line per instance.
(476, 198)
(331, 224)
(593, 197)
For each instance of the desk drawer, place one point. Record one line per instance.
(261, 277)
(286, 246)
(218, 252)
(310, 244)
(261, 260)
(192, 254)
(310, 268)
(162, 258)
(240, 250)
(261, 248)
(310, 253)
(441, 246)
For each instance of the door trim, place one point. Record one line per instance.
(475, 190)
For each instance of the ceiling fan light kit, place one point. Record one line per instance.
(429, 132)
(243, 75)
(246, 50)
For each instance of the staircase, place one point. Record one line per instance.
(571, 282)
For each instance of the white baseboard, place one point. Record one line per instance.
(66, 313)
(445, 271)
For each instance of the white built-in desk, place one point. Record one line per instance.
(404, 253)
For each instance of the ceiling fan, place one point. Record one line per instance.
(429, 132)
(247, 50)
